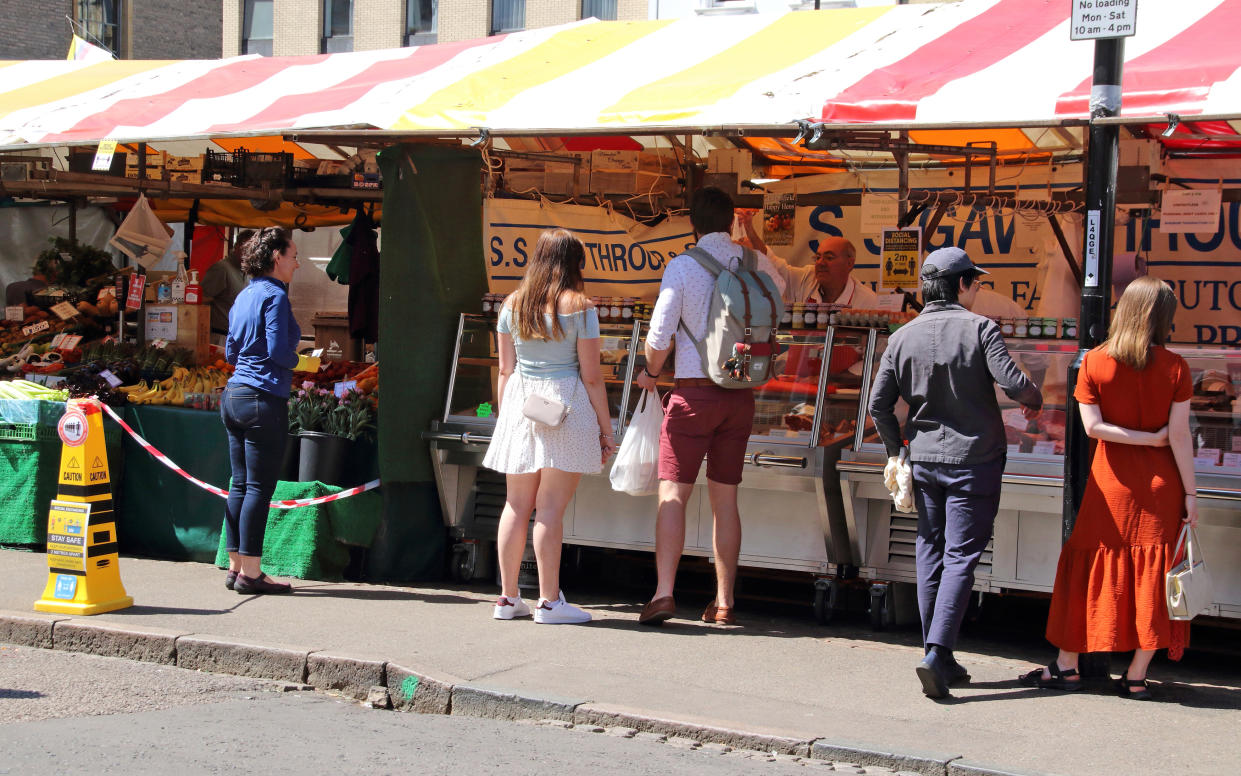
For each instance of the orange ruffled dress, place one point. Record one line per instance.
(1109, 591)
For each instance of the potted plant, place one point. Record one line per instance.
(329, 427)
(306, 410)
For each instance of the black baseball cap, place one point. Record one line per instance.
(949, 261)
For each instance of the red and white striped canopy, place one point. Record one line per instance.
(991, 62)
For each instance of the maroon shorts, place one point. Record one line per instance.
(710, 421)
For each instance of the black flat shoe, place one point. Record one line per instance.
(934, 676)
(1060, 678)
(230, 579)
(957, 674)
(261, 586)
(1124, 683)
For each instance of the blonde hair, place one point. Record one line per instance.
(1143, 318)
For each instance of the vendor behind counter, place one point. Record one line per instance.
(222, 283)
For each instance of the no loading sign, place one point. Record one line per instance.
(72, 428)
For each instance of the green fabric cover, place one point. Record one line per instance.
(28, 474)
(431, 269)
(164, 515)
(309, 542)
(338, 268)
(27, 484)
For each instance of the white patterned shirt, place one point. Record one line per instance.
(685, 295)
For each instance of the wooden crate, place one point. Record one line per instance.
(193, 326)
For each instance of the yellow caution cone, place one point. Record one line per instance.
(83, 568)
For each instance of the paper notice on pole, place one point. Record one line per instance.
(890, 302)
(103, 156)
(901, 256)
(878, 212)
(778, 212)
(1190, 210)
(1092, 248)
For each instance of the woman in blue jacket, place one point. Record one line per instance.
(262, 346)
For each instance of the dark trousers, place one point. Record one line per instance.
(258, 424)
(956, 512)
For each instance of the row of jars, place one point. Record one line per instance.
(1038, 328)
(611, 309)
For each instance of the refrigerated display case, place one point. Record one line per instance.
(790, 498)
(1025, 546)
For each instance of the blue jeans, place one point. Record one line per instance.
(956, 513)
(257, 423)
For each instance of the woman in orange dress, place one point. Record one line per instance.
(1109, 594)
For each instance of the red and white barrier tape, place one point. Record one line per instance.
(286, 504)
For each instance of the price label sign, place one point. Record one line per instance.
(1232, 461)
(110, 378)
(103, 156)
(345, 386)
(64, 310)
(316, 353)
(59, 338)
(35, 328)
(69, 342)
(159, 343)
(1207, 456)
(15, 313)
(1045, 448)
(134, 300)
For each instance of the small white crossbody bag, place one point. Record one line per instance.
(546, 411)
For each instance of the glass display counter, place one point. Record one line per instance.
(803, 419)
(1026, 541)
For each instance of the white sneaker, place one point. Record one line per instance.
(510, 608)
(559, 613)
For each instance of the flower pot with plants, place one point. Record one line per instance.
(328, 426)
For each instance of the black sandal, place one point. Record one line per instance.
(1124, 683)
(1059, 678)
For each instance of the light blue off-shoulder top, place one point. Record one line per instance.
(546, 359)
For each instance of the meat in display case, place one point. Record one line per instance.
(1025, 545)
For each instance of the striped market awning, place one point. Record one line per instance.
(997, 63)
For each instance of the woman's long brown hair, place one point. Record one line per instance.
(1143, 318)
(555, 267)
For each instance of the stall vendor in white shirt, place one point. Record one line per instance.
(827, 280)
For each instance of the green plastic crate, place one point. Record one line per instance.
(26, 432)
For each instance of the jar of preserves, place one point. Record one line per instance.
(627, 310)
(615, 311)
(1069, 329)
(1021, 328)
(1007, 327)
(1034, 328)
(604, 308)
(786, 318)
(799, 315)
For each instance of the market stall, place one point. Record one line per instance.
(836, 123)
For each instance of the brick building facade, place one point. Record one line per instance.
(297, 26)
(140, 29)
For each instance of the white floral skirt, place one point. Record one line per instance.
(522, 446)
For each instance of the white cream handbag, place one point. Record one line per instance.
(1188, 585)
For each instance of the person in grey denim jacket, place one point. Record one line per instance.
(945, 364)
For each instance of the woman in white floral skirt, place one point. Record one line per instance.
(548, 334)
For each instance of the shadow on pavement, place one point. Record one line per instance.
(6, 694)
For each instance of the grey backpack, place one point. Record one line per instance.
(739, 347)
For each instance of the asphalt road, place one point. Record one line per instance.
(64, 713)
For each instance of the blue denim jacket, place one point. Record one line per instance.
(262, 337)
(945, 364)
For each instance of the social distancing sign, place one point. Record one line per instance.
(902, 250)
(83, 567)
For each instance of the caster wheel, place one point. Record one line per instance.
(824, 600)
(880, 605)
(462, 566)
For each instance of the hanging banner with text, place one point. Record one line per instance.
(623, 257)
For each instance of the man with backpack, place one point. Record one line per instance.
(722, 303)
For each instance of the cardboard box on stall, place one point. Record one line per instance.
(154, 165)
(183, 163)
(634, 172)
(190, 325)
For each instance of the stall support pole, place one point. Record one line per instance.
(1105, 97)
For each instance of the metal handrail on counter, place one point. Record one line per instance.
(768, 459)
(864, 467)
(465, 437)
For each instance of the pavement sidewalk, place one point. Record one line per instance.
(843, 691)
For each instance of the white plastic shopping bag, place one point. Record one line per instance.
(636, 468)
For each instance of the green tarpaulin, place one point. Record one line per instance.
(310, 542)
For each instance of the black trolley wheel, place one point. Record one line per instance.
(880, 603)
(824, 600)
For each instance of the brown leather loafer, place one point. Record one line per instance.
(657, 610)
(720, 615)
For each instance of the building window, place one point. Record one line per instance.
(337, 26)
(421, 22)
(256, 27)
(599, 9)
(507, 16)
(100, 23)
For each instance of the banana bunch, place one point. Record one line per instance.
(174, 389)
